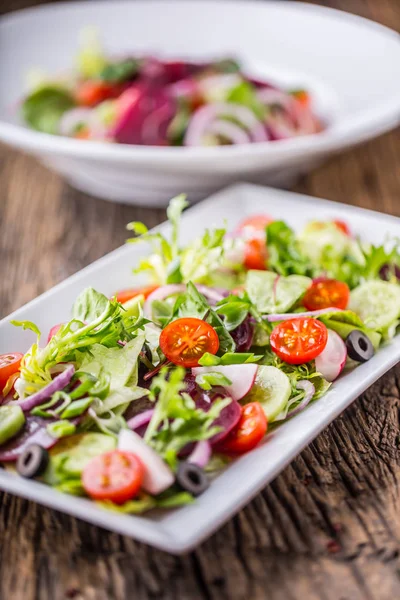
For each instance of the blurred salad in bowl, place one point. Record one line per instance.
(137, 99)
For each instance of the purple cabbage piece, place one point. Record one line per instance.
(243, 336)
(387, 270)
(34, 432)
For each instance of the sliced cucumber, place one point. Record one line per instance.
(271, 389)
(12, 419)
(75, 451)
(377, 303)
(134, 305)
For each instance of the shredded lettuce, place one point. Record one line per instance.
(169, 263)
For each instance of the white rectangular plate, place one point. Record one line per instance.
(180, 530)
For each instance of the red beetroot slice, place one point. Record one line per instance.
(228, 418)
(138, 104)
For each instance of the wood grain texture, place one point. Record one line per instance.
(328, 528)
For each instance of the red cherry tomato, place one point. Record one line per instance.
(299, 340)
(184, 341)
(255, 223)
(327, 293)
(9, 365)
(255, 255)
(115, 476)
(342, 225)
(91, 92)
(55, 329)
(125, 295)
(248, 432)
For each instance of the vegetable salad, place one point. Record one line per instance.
(144, 100)
(139, 399)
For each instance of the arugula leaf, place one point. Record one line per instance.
(176, 421)
(212, 379)
(194, 304)
(234, 309)
(43, 109)
(120, 71)
(106, 328)
(284, 252)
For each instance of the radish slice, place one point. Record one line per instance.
(310, 313)
(241, 376)
(201, 454)
(158, 476)
(332, 359)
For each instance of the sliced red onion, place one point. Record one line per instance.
(57, 384)
(141, 419)
(203, 118)
(274, 96)
(184, 87)
(330, 363)
(200, 454)
(311, 313)
(213, 294)
(274, 287)
(71, 119)
(34, 432)
(230, 131)
(308, 387)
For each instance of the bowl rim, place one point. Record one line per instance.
(342, 132)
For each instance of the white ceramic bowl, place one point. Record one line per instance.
(349, 63)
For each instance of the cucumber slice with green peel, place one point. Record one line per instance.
(377, 303)
(271, 389)
(12, 419)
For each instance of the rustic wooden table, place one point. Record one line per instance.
(327, 528)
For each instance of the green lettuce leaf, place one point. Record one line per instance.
(271, 293)
(344, 322)
(42, 109)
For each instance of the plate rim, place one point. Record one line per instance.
(166, 535)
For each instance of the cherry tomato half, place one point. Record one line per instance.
(327, 293)
(90, 93)
(125, 295)
(255, 223)
(115, 476)
(184, 341)
(255, 255)
(342, 225)
(248, 432)
(9, 364)
(299, 340)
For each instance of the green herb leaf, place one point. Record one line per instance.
(121, 71)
